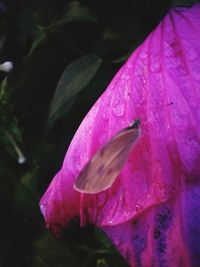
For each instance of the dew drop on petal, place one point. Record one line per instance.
(144, 81)
(143, 55)
(173, 63)
(125, 77)
(168, 52)
(118, 110)
(77, 159)
(192, 54)
(179, 119)
(129, 65)
(103, 138)
(189, 50)
(196, 74)
(138, 207)
(155, 67)
(105, 115)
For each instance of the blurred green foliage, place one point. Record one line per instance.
(64, 53)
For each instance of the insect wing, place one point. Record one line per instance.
(102, 170)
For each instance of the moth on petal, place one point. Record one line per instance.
(102, 170)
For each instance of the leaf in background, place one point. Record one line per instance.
(15, 147)
(10, 133)
(75, 12)
(26, 194)
(26, 21)
(97, 84)
(102, 238)
(51, 252)
(74, 78)
(39, 38)
(101, 263)
(6, 182)
(122, 58)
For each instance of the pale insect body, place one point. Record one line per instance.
(102, 170)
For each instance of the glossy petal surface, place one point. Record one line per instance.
(160, 85)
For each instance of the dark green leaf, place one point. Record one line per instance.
(75, 77)
(39, 38)
(76, 12)
(49, 252)
(102, 238)
(122, 58)
(101, 263)
(126, 56)
(26, 194)
(98, 84)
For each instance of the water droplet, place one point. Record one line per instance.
(191, 140)
(105, 115)
(164, 192)
(144, 81)
(173, 63)
(117, 242)
(155, 67)
(125, 77)
(192, 54)
(118, 110)
(77, 159)
(143, 55)
(168, 52)
(138, 207)
(129, 65)
(158, 132)
(103, 138)
(196, 74)
(189, 50)
(179, 119)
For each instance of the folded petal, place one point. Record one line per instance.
(60, 204)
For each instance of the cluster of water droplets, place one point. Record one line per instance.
(76, 160)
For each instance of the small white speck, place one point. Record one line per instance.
(6, 66)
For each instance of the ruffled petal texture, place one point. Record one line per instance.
(151, 212)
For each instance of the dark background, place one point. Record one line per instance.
(64, 54)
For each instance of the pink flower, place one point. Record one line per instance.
(152, 211)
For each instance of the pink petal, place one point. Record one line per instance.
(159, 84)
(165, 235)
(57, 211)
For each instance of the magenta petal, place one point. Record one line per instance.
(60, 203)
(160, 85)
(164, 235)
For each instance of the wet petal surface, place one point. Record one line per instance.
(159, 184)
